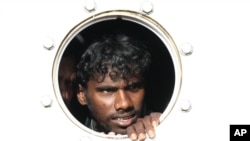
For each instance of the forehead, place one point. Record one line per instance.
(67, 66)
(67, 61)
(107, 80)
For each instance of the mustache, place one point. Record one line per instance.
(125, 114)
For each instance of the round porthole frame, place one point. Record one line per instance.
(132, 16)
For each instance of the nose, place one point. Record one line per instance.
(123, 101)
(64, 92)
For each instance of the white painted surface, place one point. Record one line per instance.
(216, 75)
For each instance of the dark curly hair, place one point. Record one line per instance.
(119, 56)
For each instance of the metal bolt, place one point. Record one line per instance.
(186, 105)
(48, 43)
(90, 5)
(147, 7)
(186, 49)
(46, 101)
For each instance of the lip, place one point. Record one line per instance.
(125, 120)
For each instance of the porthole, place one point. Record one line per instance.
(165, 72)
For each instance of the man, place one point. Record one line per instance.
(67, 72)
(67, 77)
(111, 76)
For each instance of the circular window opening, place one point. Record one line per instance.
(163, 81)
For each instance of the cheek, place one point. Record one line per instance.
(138, 99)
(100, 106)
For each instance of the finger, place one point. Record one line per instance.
(131, 133)
(111, 133)
(140, 130)
(148, 126)
(155, 119)
(136, 131)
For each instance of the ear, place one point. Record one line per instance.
(81, 95)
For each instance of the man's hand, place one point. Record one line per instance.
(144, 126)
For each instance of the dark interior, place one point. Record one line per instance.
(162, 72)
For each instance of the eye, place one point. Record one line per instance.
(107, 90)
(69, 82)
(132, 88)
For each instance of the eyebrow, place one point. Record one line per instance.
(110, 88)
(138, 84)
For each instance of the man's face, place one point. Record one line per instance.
(67, 76)
(115, 104)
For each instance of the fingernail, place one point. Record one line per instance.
(141, 136)
(151, 134)
(154, 124)
(133, 137)
(111, 133)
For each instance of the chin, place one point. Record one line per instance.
(120, 131)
